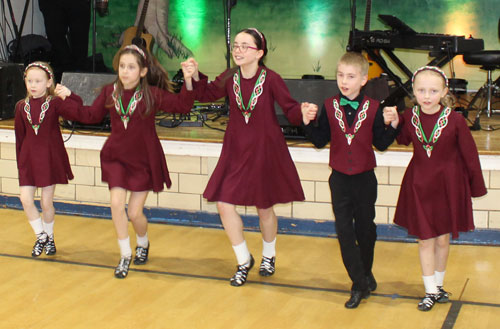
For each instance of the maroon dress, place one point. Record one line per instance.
(255, 167)
(436, 191)
(41, 158)
(133, 158)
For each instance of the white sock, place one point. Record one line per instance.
(269, 248)
(430, 284)
(37, 226)
(439, 278)
(242, 253)
(142, 241)
(49, 228)
(125, 249)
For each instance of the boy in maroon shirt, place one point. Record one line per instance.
(352, 122)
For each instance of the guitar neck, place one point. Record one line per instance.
(367, 14)
(140, 26)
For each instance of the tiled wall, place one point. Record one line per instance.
(190, 174)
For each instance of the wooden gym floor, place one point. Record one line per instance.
(185, 284)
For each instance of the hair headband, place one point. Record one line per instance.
(40, 66)
(260, 35)
(430, 68)
(139, 50)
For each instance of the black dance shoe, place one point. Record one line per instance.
(267, 266)
(122, 268)
(372, 283)
(240, 277)
(443, 296)
(427, 302)
(356, 297)
(50, 247)
(41, 241)
(141, 255)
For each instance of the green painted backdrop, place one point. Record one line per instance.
(304, 36)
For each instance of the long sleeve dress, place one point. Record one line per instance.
(42, 159)
(436, 191)
(132, 158)
(255, 167)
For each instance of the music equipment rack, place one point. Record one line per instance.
(442, 47)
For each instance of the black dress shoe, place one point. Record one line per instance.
(356, 296)
(372, 283)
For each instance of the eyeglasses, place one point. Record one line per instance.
(243, 47)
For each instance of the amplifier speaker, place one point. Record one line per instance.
(88, 87)
(316, 91)
(12, 88)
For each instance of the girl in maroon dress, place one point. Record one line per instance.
(132, 158)
(255, 167)
(42, 160)
(443, 175)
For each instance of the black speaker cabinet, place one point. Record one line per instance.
(87, 86)
(12, 88)
(316, 91)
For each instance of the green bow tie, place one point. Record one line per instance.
(353, 104)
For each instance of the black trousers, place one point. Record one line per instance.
(67, 25)
(353, 201)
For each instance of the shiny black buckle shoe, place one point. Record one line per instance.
(141, 255)
(40, 243)
(427, 302)
(122, 268)
(267, 267)
(240, 277)
(50, 247)
(356, 297)
(443, 296)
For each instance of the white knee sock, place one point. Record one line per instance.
(142, 241)
(430, 284)
(242, 253)
(439, 278)
(269, 248)
(49, 228)
(125, 249)
(37, 226)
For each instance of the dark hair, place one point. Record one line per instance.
(260, 41)
(156, 76)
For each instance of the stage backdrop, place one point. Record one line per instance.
(304, 36)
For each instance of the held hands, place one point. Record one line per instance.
(309, 112)
(62, 91)
(190, 69)
(391, 116)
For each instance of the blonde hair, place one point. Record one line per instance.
(48, 71)
(355, 59)
(448, 100)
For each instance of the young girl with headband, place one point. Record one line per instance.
(132, 158)
(255, 167)
(443, 174)
(42, 160)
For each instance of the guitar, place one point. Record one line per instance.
(135, 35)
(374, 70)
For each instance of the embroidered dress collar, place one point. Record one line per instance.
(339, 115)
(441, 123)
(246, 111)
(44, 109)
(126, 114)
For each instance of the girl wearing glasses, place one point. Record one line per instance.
(255, 167)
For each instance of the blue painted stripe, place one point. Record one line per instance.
(307, 227)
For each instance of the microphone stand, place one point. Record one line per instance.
(228, 5)
(94, 33)
(18, 32)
